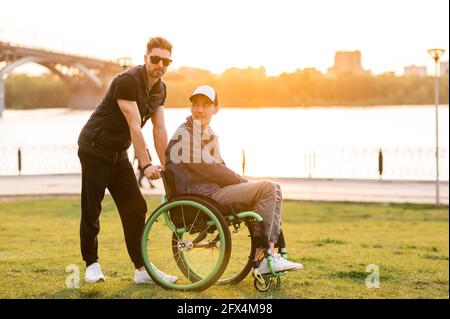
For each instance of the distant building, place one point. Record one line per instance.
(415, 70)
(444, 68)
(347, 61)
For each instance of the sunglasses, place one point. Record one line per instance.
(155, 60)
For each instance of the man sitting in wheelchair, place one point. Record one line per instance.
(194, 157)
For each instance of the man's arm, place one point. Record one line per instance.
(131, 112)
(160, 134)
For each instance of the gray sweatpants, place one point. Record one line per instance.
(263, 196)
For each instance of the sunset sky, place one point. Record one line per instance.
(280, 35)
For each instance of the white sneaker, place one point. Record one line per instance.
(142, 277)
(94, 273)
(279, 264)
(295, 266)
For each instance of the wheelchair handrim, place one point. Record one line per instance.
(144, 245)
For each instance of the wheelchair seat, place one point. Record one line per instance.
(171, 181)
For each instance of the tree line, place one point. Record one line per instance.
(251, 87)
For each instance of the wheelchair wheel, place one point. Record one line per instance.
(262, 286)
(242, 253)
(187, 238)
(242, 246)
(276, 281)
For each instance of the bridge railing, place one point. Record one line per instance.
(45, 49)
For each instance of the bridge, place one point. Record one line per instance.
(86, 77)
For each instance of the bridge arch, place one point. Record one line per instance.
(8, 68)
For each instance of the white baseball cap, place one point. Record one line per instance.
(207, 91)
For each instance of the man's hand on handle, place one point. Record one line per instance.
(153, 171)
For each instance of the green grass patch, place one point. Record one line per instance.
(336, 242)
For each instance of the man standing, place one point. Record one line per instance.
(132, 98)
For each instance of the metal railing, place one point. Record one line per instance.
(39, 160)
(396, 163)
(360, 163)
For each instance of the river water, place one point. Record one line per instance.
(325, 142)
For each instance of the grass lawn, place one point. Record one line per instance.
(334, 241)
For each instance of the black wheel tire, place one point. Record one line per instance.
(238, 277)
(277, 281)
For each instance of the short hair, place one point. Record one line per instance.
(158, 42)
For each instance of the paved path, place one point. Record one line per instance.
(293, 188)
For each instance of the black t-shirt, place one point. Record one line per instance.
(125, 88)
(107, 127)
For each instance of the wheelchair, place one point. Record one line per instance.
(202, 243)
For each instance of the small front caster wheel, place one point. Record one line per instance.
(276, 281)
(263, 287)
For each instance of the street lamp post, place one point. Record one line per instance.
(436, 55)
(124, 62)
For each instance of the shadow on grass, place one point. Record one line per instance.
(358, 275)
(326, 241)
(435, 257)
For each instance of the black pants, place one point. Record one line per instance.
(119, 179)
